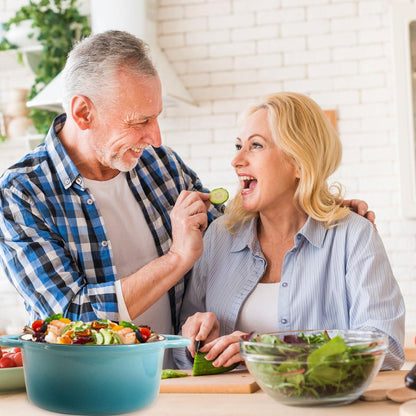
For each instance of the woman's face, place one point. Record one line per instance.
(267, 177)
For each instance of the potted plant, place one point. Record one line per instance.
(57, 26)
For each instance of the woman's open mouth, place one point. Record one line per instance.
(248, 183)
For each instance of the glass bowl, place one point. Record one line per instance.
(314, 367)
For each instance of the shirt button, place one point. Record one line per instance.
(284, 321)
(284, 284)
(67, 182)
(90, 201)
(78, 180)
(298, 237)
(104, 243)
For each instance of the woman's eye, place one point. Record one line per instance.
(256, 145)
(238, 147)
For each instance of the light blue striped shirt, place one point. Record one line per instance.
(338, 278)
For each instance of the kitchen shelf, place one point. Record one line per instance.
(31, 55)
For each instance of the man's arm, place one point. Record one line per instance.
(39, 264)
(189, 220)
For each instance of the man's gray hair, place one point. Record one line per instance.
(93, 64)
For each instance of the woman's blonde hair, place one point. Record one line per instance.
(302, 130)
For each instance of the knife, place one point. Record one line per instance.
(198, 345)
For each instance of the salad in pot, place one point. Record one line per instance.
(59, 330)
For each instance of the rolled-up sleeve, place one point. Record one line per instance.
(38, 263)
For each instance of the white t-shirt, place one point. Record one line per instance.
(259, 311)
(132, 244)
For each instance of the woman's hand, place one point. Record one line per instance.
(201, 326)
(225, 350)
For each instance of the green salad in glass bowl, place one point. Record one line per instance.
(314, 367)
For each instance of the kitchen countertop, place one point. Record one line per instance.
(184, 404)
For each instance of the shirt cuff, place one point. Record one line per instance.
(122, 308)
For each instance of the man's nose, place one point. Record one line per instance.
(153, 134)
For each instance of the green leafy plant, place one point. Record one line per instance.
(60, 26)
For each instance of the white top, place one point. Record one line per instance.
(131, 242)
(259, 311)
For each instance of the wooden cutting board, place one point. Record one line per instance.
(237, 381)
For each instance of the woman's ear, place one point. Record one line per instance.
(297, 171)
(81, 111)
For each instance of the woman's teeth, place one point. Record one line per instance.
(246, 181)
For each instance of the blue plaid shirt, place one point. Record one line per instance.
(53, 245)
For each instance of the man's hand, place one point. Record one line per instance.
(201, 326)
(361, 208)
(189, 221)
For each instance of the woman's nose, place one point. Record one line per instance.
(238, 160)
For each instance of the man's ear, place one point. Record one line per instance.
(82, 111)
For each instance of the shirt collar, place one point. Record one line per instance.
(247, 237)
(312, 230)
(66, 169)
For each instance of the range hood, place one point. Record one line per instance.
(139, 18)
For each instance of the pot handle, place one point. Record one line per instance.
(175, 341)
(10, 341)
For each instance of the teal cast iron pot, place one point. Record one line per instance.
(93, 379)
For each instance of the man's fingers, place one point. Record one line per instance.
(371, 216)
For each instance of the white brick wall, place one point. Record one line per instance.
(230, 52)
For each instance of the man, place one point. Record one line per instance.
(101, 221)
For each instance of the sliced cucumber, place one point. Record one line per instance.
(107, 335)
(99, 337)
(117, 339)
(203, 367)
(168, 373)
(218, 196)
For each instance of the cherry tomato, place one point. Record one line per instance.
(1, 353)
(17, 357)
(37, 325)
(7, 362)
(146, 333)
(16, 349)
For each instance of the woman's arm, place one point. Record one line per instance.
(373, 293)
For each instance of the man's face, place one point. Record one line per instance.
(127, 123)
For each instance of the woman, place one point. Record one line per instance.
(287, 255)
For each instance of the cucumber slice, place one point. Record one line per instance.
(99, 338)
(203, 367)
(107, 336)
(168, 373)
(218, 196)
